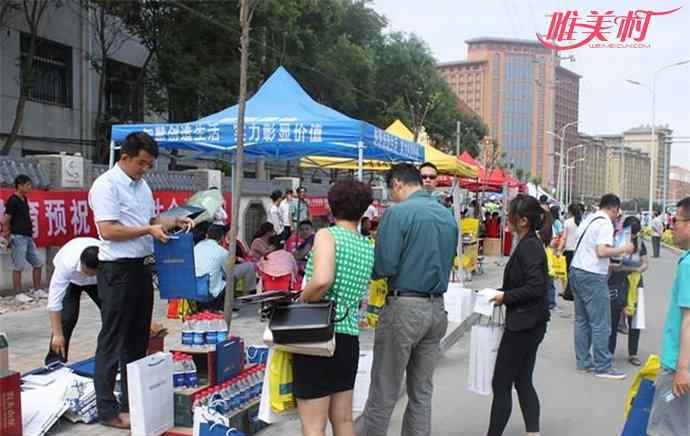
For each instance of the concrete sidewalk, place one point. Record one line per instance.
(29, 333)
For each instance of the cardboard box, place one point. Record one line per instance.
(10, 405)
(254, 424)
(229, 359)
(184, 414)
(205, 361)
(492, 247)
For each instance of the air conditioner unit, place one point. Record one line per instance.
(64, 171)
(209, 178)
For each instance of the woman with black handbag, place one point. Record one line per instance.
(339, 269)
(524, 293)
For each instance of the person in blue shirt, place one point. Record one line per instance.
(671, 408)
(212, 259)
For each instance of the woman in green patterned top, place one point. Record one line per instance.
(339, 269)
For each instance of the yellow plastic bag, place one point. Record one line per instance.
(280, 382)
(558, 266)
(633, 286)
(649, 372)
(377, 299)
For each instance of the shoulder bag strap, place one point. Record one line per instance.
(583, 233)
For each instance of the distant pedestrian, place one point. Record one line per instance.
(18, 231)
(299, 208)
(275, 215)
(76, 266)
(415, 246)
(624, 281)
(524, 293)
(588, 276)
(671, 409)
(569, 241)
(658, 225)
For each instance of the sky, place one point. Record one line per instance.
(608, 104)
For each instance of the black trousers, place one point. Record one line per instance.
(515, 361)
(568, 259)
(656, 245)
(126, 292)
(69, 317)
(617, 307)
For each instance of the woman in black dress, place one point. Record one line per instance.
(524, 293)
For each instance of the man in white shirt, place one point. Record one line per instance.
(124, 211)
(588, 279)
(285, 215)
(657, 231)
(274, 213)
(212, 259)
(76, 266)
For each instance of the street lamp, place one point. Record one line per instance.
(561, 137)
(569, 182)
(653, 163)
(568, 168)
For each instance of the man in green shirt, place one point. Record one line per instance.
(416, 242)
(671, 410)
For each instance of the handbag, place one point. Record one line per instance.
(299, 323)
(320, 349)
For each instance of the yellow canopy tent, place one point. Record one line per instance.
(446, 163)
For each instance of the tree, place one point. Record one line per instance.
(110, 34)
(8, 8)
(33, 12)
(536, 181)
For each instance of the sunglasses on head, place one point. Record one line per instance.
(429, 176)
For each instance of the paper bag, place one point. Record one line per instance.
(204, 415)
(10, 405)
(638, 321)
(266, 413)
(484, 342)
(150, 385)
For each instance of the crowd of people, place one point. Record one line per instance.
(412, 246)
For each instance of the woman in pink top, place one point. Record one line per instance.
(260, 246)
(278, 262)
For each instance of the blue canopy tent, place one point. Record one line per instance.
(281, 122)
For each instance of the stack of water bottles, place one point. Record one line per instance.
(184, 372)
(204, 330)
(235, 394)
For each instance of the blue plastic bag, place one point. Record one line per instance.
(638, 419)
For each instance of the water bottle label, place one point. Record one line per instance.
(198, 338)
(211, 338)
(191, 379)
(222, 335)
(188, 338)
(178, 380)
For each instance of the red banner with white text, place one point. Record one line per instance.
(59, 216)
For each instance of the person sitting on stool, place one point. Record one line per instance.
(76, 266)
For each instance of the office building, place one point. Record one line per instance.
(679, 184)
(659, 151)
(588, 179)
(521, 92)
(60, 112)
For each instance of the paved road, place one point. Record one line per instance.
(572, 404)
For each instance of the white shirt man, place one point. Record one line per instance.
(124, 211)
(76, 265)
(588, 278)
(372, 213)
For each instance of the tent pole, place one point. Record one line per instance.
(111, 159)
(360, 161)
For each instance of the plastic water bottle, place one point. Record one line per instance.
(190, 376)
(187, 333)
(222, 332)
(210, 336)
(178, 372)
(199, 332)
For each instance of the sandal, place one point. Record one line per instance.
(634, 361)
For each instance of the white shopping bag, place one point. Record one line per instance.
(638, 321)
(150, 386)
(459, 302)
(363, 381)
(484, 342)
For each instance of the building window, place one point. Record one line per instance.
(124, 101)
(52, 71)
